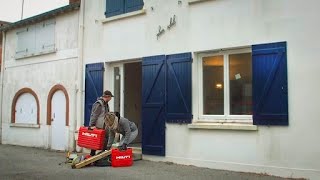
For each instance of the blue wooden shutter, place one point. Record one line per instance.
(270, 90)
(114, 7)
(178, 100)
(153, 101)
(133, 5)
(93, 87)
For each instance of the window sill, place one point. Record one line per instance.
(36, 54)
(25, 125)
(123, 16)
(196, 1)
(224, 126)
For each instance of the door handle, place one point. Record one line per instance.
(53, 117)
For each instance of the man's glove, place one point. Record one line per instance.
(123, 147)
(91, 127)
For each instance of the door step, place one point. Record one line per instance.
(137, 153)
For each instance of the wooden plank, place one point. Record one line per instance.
(91, 160)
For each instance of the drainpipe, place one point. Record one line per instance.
(1, 83)
(79, 78)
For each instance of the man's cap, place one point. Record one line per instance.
(107, 93)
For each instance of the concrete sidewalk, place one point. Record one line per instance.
(31, 163)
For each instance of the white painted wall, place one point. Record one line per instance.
(284, 151)
(41, 73)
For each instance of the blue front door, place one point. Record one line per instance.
(166, 98)
(153, 109)
(93, 87)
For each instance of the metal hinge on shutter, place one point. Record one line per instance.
(22, 51)
(50, 23)
(23, 30)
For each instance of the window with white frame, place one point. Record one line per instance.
(226, 85)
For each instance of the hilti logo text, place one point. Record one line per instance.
(89, 134)
(123, 157)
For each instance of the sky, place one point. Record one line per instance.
(11, 10)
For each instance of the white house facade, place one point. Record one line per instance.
(223, 84)
(39, 80)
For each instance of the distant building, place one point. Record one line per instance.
(39, 79)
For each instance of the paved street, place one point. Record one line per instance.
(31, 163)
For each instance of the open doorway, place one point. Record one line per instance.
(132, 96)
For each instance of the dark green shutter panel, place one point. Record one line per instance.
(270, 89)
(133, 5)
(114, 7)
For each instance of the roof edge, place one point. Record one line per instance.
(4, 22)
(41, 17)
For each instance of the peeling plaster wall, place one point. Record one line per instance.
(41, 73)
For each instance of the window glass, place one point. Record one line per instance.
(213, 86)
(227, 84)
(240, 80)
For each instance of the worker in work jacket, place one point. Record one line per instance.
(99, 109)
(117, 124)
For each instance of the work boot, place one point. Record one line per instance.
(93, 152)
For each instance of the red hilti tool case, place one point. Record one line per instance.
(91, 138)
(121, 158)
